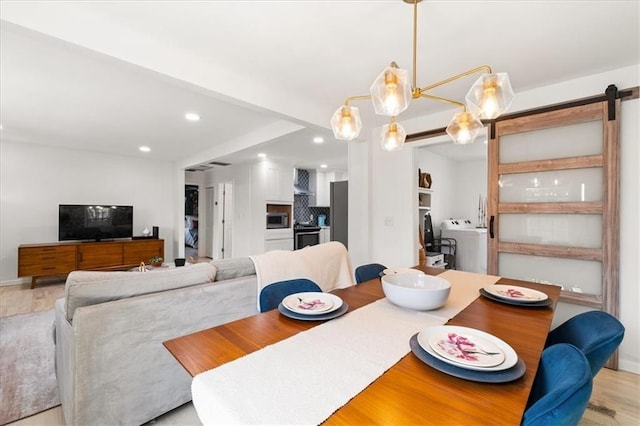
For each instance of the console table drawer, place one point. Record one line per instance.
(97, 255)
(141, 251)
(47, 255)
(47, 269)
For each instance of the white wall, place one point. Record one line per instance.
(388, 181)
(393, 216)
(443, 184)
(359, 189)
(35, 179)
(240, 177)
(470, 184)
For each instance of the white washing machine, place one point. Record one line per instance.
(471, 244)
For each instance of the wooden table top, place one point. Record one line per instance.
(410, 392)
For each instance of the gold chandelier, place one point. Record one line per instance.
(391, 93)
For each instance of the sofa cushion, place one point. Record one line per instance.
(233, 268)
(84, 288)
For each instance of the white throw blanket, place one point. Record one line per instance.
(328, 265)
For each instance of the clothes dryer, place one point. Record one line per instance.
(471, 244)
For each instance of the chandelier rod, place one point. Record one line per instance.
(356, 98)
(414, 89)
(486, 68)
(449, 101)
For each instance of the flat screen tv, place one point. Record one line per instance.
(94, 222)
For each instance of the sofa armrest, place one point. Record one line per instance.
(122, 373)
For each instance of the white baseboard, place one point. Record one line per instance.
(629, 366)
(17, 281)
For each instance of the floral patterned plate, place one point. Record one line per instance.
(312, 303)
(513, 292)
(483, 375)
(467, 348)
(323, 316)
(540, 304)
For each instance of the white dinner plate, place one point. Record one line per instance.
(508, 358)
(390, 271)
(513, 292)
(312, 303)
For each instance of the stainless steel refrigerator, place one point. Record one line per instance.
(339, 211)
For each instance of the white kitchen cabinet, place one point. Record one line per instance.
(325, 234)
(278, 239)
(320, 188)
(279, 186)
(284, 244)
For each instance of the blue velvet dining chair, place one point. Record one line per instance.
(561, 389)
(272, 294)
(368, 272)
(597, 334)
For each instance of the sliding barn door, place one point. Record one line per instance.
(553, 201)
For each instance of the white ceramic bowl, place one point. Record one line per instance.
(413, 291)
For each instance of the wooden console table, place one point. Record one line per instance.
(45, 260)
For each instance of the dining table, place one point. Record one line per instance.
(409, 391)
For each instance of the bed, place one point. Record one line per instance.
(191, 231)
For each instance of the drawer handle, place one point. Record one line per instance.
(48, 268)
(49, 258)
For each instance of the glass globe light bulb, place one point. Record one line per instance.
(393, 136)
(464, 128)
(463, 135)
(346, 123)
(346, 127)
(391, 97)
(490, 107)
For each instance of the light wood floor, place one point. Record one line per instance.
(616, 390)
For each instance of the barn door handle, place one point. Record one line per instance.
(491, 220)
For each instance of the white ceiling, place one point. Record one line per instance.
(267, 75)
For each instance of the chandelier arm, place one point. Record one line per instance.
(481, 68)
(449, 101)
(356, 98)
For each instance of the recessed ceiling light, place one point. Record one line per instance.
(262, 155)
(323, 166)
(192, 116)
(144, 149)
(318, 139)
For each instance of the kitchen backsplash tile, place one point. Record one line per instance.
(301, 210)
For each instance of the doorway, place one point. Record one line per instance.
(219, 219)
(191, 199)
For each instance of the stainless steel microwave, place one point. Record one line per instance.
(277, 220)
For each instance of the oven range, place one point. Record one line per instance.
(305, 235)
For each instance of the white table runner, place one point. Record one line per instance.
(306, 377)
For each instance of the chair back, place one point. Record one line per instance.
(368, 272)
(561, 389)
(597, 334)
(272, 295)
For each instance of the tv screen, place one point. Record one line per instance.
(94, 222)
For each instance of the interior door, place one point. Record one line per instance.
(553, 202)
(227, 220)
(207, 232)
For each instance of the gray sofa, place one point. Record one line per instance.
(111, 366)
